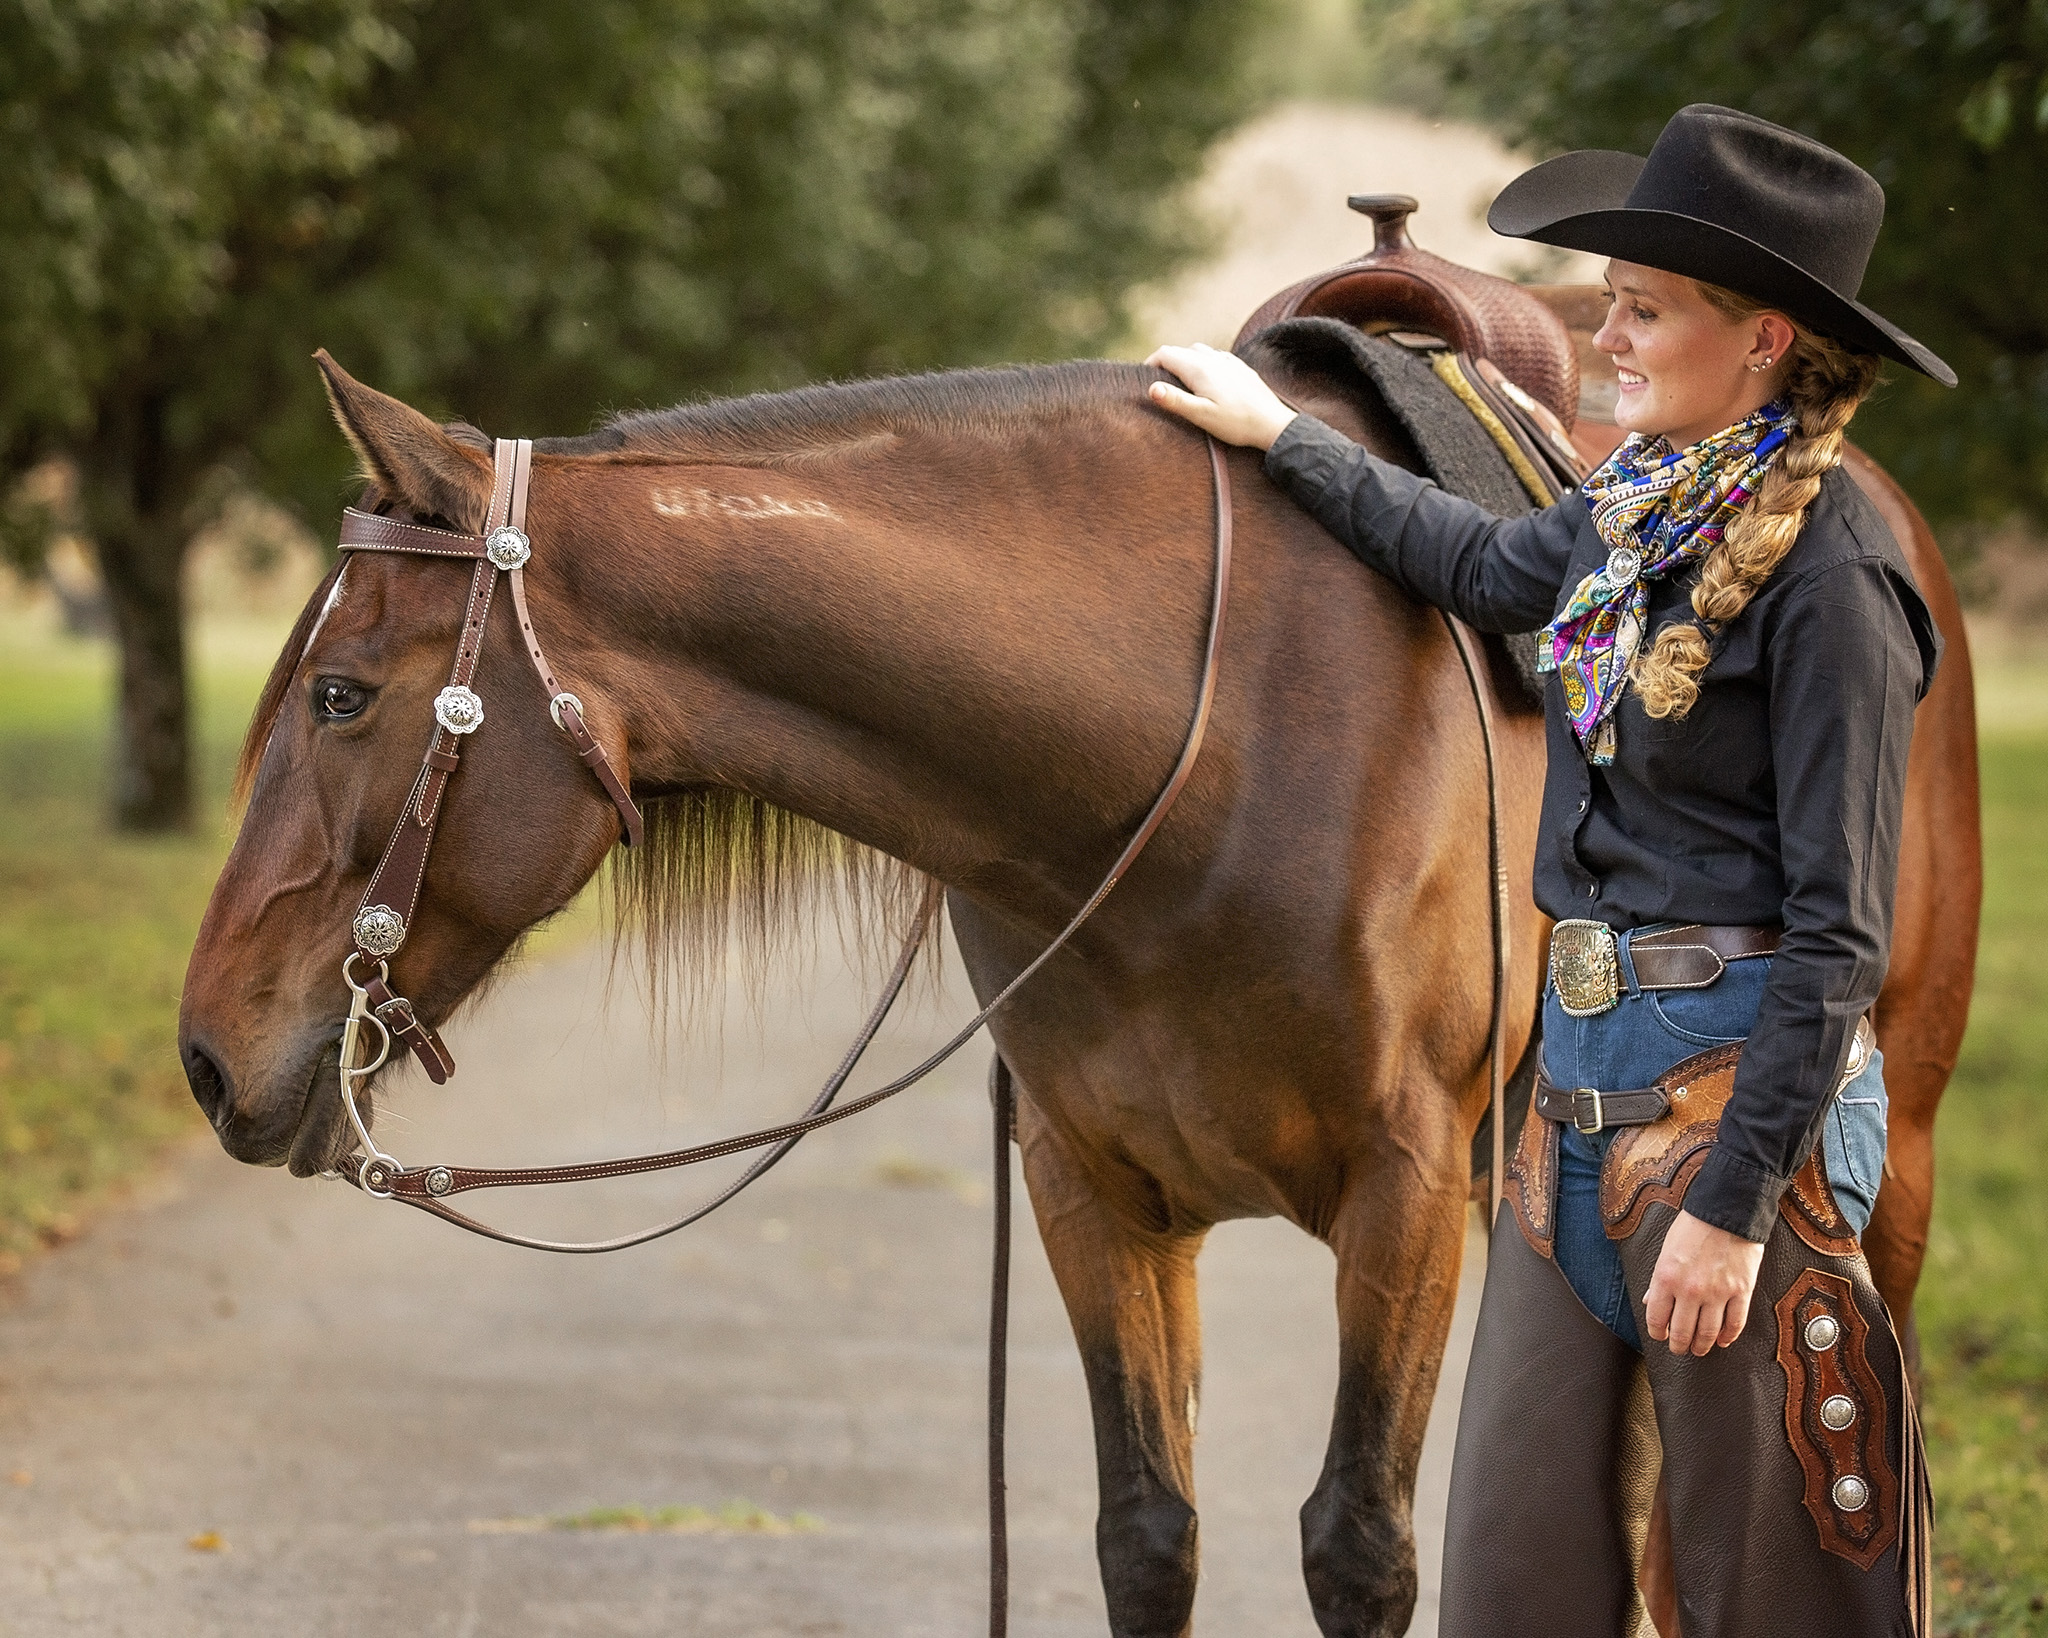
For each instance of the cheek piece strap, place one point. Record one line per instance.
(385, 915)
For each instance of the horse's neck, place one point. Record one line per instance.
(968, 653)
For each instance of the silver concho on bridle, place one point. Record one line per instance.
(458, 709)
(508, 547)
(379, 930)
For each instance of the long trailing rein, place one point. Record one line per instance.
(380, 926)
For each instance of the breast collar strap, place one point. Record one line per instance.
(385, 916)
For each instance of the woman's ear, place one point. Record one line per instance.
(1774, 339)
(406, 455)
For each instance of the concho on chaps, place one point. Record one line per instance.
(1835, 1417)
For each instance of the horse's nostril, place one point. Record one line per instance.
(209, 1083)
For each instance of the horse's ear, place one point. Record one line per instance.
(406, 455)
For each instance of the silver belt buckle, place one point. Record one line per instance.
(1599, 1114)
(1584, 968)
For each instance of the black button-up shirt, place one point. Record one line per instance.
(1776, 800)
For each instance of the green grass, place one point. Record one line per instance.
(95, 929)
(95, 926)
(1983, 1301)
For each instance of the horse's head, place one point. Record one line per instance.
(332, 753)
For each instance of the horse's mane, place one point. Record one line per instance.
(762, 428)
(719, 867)
(720, 870)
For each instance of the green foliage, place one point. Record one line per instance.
(95, 934)
(529, 214)
(1944, 101)
(137, 134)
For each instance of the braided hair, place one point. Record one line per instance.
(1825, 382)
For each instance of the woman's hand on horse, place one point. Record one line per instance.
(1699, 1295)
(1221, 394)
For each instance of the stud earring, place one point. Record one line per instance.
(1765, 365)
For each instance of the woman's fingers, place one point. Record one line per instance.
(1219, 393)
(1735, 1317)
(1700, 1291)
(1203, 412)
(1658, 1308)
(1684, 1324)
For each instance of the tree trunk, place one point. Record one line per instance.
(143, 568)
(135, 496)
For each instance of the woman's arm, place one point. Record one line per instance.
(1847, 671)
(1495, 573)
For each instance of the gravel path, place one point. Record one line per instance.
(249, 1405)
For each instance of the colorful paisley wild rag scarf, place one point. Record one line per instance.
(1657, 509)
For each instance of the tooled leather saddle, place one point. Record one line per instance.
(1524, 350)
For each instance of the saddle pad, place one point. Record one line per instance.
(1456, 450)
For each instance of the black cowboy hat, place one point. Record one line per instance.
(1731, 199)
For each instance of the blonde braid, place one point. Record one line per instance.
(1826, 382)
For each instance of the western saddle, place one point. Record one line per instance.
(1526, 350)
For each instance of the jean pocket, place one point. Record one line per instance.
(1702, 1018)
(1854, 1138)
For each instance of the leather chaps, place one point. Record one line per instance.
(1792, 1459)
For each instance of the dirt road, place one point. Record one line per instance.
(363, 1418)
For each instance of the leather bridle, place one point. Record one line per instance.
(385, 916)
(391, 900)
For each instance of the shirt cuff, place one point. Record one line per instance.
(1733, 1194)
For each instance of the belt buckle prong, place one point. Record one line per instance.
(1599, 1114)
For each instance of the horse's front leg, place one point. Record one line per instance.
(1130, 1293)
(1397, 1235)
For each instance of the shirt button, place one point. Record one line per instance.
(1582, 804)
(1593, 890)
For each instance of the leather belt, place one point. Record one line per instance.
(1591, 1111)
(1585, 964)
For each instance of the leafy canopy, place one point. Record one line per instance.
(530, 213)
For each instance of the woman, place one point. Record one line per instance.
(1736, 647)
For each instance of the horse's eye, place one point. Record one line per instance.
(335, 699)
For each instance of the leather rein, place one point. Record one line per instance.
(391, 900)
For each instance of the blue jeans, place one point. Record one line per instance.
(1633, 1043)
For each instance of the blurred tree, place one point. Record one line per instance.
(1944, 101)
(528, 213)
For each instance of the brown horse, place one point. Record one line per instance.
(959, 620)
